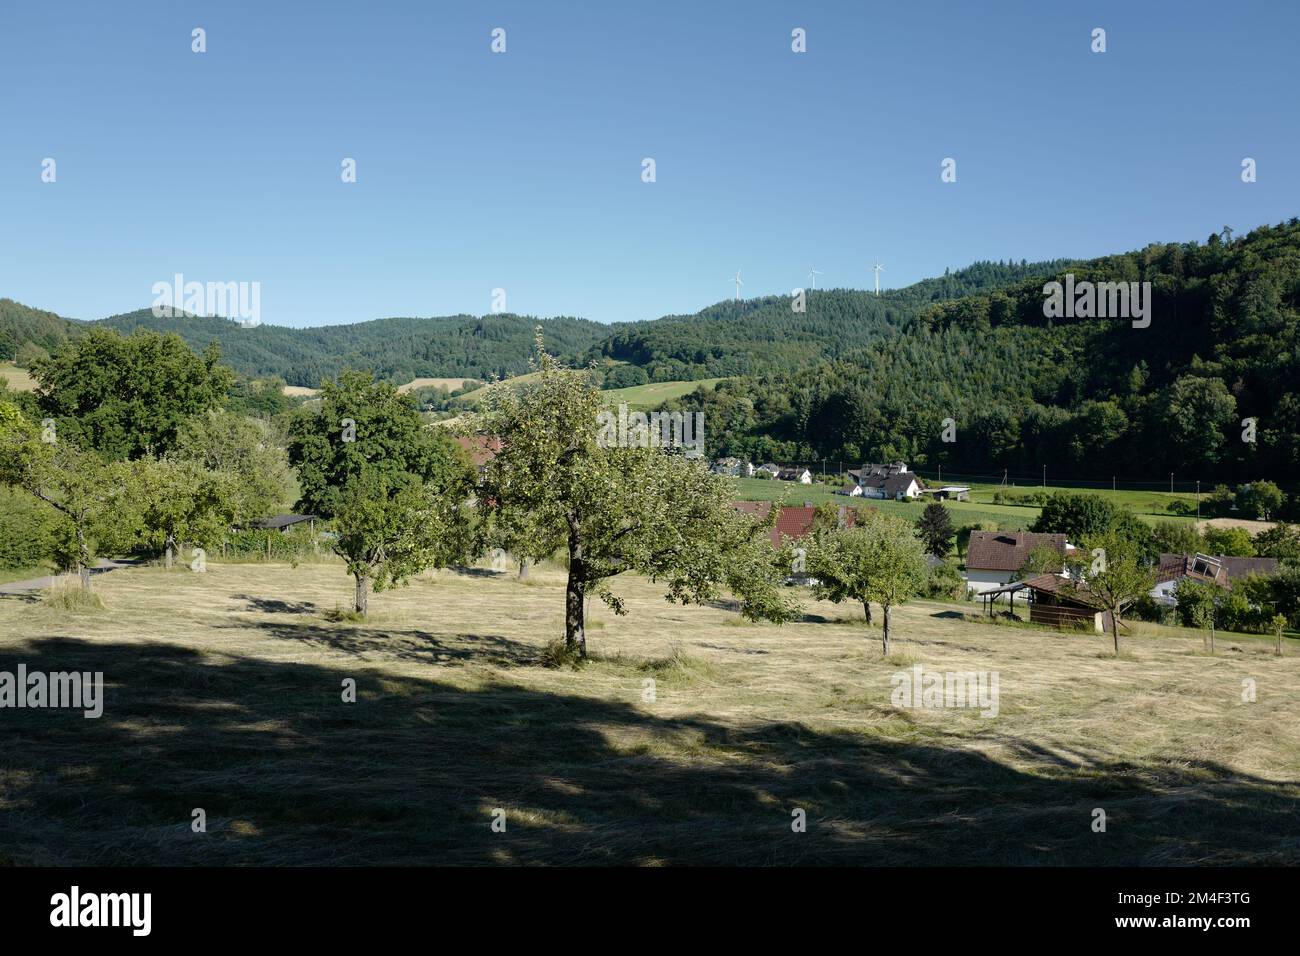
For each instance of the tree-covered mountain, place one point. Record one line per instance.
(1087, 397)
(729, 338)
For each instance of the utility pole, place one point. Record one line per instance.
(1171, 482)
(1044, 476)
(1198, 500)
(1112, 483)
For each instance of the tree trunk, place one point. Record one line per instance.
(885, 626)
(167, 555)
(83, 560)
(866, 607)
(1114, 629)
(524, 566)
(575, 632)
(363, 593)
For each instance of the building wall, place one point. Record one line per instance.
(980, 581)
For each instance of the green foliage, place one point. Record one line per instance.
(94, 498)
(174, 503)
(555, 486)
(877, 560)
(1281, 541)
(1112, 576)
(359, 424)
(1260, 499)
(1228, 541)
(127, 398)
(936, 529)
(1081, 516)
(945, 582)
(26, 530)
(244, 449)
(1176, 537)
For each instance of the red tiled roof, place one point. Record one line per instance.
(481, 448)
(1006, 550)
(794, 521)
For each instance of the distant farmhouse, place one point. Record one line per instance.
(1222, 570)
(733, 467)
(770, 470)
(891, 481)
(993, 558)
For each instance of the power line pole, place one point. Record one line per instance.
(1044, 476)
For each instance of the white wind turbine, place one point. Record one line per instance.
(738, 284)
(813, 274)
(878, 268)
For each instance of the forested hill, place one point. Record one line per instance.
(752, 336)
(1085, 397)
(398, 349)
(759, 336)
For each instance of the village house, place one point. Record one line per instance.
(993, 558)
(733, 467)
(1222, 570)
(892, 481)
(801, 475)
(771, 469)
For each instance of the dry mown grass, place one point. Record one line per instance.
(224, 693)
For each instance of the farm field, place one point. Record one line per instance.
(653, 394)
(1008, 517)
(224, 693)
(979, 508)
(17, 378)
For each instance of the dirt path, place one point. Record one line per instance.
(40, 584)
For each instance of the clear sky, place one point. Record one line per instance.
(522, 170)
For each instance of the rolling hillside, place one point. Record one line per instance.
(749, 337)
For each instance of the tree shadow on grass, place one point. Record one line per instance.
(406, 644)
(410, 774)
(275, 606)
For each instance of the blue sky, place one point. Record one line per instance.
(523, 170)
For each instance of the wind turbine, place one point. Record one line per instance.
(738, 284)
(878, 268)
(813, 274)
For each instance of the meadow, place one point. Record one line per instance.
(1149, 506)
(691, 737)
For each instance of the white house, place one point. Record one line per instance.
(801, 475)
(733, 467)
(993, 558)
(891, 480)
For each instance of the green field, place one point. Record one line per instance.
(654, 393)
(223, 692)
(1007, 517)
(1148, 505)
(16, 378)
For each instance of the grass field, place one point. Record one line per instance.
(980, 507)
(17, 378)
(1007, 517)
(223, 693)
(654, 393)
